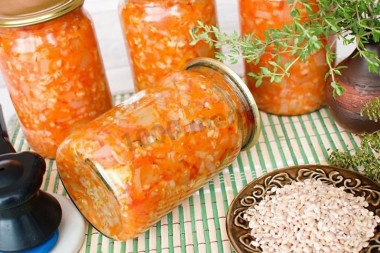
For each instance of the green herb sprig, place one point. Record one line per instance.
(367, 156)
(348, 20)
(372, 110)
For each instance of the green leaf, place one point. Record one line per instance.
(220, 56)
(265, 70)
(327, 75)
(296, 41)
(259, 81)
(308, 8)
(273, 63)
(277, 79)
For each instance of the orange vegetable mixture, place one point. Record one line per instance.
(135, 163)
(55, 77)
(157, 36)
(300, 93)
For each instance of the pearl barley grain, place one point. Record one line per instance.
(311, 216)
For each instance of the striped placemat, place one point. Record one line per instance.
(198, 224)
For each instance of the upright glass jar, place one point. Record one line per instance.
(157, 35)
(300, 93)
(132, 165)
(51, 64)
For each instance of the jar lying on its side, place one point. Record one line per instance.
(132, 165)
(303, 91)
(157, 36)
(51, 64)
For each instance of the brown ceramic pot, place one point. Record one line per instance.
(361, 86)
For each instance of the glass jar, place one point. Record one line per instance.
(51, 64)
(300, 93)
(157, 34)
(132, 165)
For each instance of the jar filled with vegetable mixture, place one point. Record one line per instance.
(51, 64)
(303, 90)
(157, 35)
(132, 165)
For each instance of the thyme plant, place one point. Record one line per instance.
(367, 156)
(372, 109)
(352, 21)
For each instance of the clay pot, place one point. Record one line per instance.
(361, 86)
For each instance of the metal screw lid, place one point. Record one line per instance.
(238, 83)
(19, 13)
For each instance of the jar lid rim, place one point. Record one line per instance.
(22, 13)
(240, 85)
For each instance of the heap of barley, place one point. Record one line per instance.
(311, 216)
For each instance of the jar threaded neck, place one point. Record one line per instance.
(252, 134)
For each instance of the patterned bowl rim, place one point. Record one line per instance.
(230, 214)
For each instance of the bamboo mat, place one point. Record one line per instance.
(198, 224)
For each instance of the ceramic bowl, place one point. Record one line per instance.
(237, 228)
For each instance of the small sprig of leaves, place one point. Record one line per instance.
(351, 21)
(367, 156)
(372, 109)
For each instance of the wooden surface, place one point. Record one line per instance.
(105, 17)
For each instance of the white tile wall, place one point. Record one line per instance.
(105, 17)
